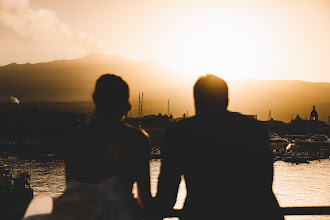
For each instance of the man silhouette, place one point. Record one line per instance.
(224, 157)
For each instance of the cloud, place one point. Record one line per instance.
(43, 25)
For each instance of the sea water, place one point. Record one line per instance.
(306, 184)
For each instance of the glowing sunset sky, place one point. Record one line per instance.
(273, 39)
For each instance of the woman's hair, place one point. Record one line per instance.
(111, 96)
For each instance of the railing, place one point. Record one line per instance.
(313, 210)
(306, 210)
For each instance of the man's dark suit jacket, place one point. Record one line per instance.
(227, 164)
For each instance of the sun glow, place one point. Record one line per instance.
(229, 44)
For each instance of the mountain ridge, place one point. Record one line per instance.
(70, 80)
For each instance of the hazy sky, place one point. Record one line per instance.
(273, 39)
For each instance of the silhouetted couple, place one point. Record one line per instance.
(224, 157)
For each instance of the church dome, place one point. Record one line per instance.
(314, 116)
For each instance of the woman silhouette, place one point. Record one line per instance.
(106, 151)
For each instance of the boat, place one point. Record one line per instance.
(315, 140)
(320, 139)
(278, 142)
(297, 159)
(15, 192)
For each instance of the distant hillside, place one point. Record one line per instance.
(67, 80)
(72, 80)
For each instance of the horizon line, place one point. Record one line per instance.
(153, 61)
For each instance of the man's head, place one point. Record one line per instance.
(210, 94)
(111, 96)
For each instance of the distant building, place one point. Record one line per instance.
(275, 126)
(300, 126)
(312, 126)
(298, 118)
(252, 116)
(314, 116)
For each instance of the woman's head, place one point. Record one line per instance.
(111, 96)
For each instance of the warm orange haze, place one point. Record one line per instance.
(73, 80)
(135, 109)
(162, 47)
(282, 40)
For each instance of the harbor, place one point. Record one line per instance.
(15, 191)
(295, 185)
(300, 149)
(301, 156)
(224, 103)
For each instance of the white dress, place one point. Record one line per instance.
(109, 200)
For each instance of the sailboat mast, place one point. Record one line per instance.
(139, 106)
(139, 111)
(142, 106)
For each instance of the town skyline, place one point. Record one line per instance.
(74, 80)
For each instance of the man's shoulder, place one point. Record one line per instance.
(227, 116)
(228, 119)
(239, 117)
